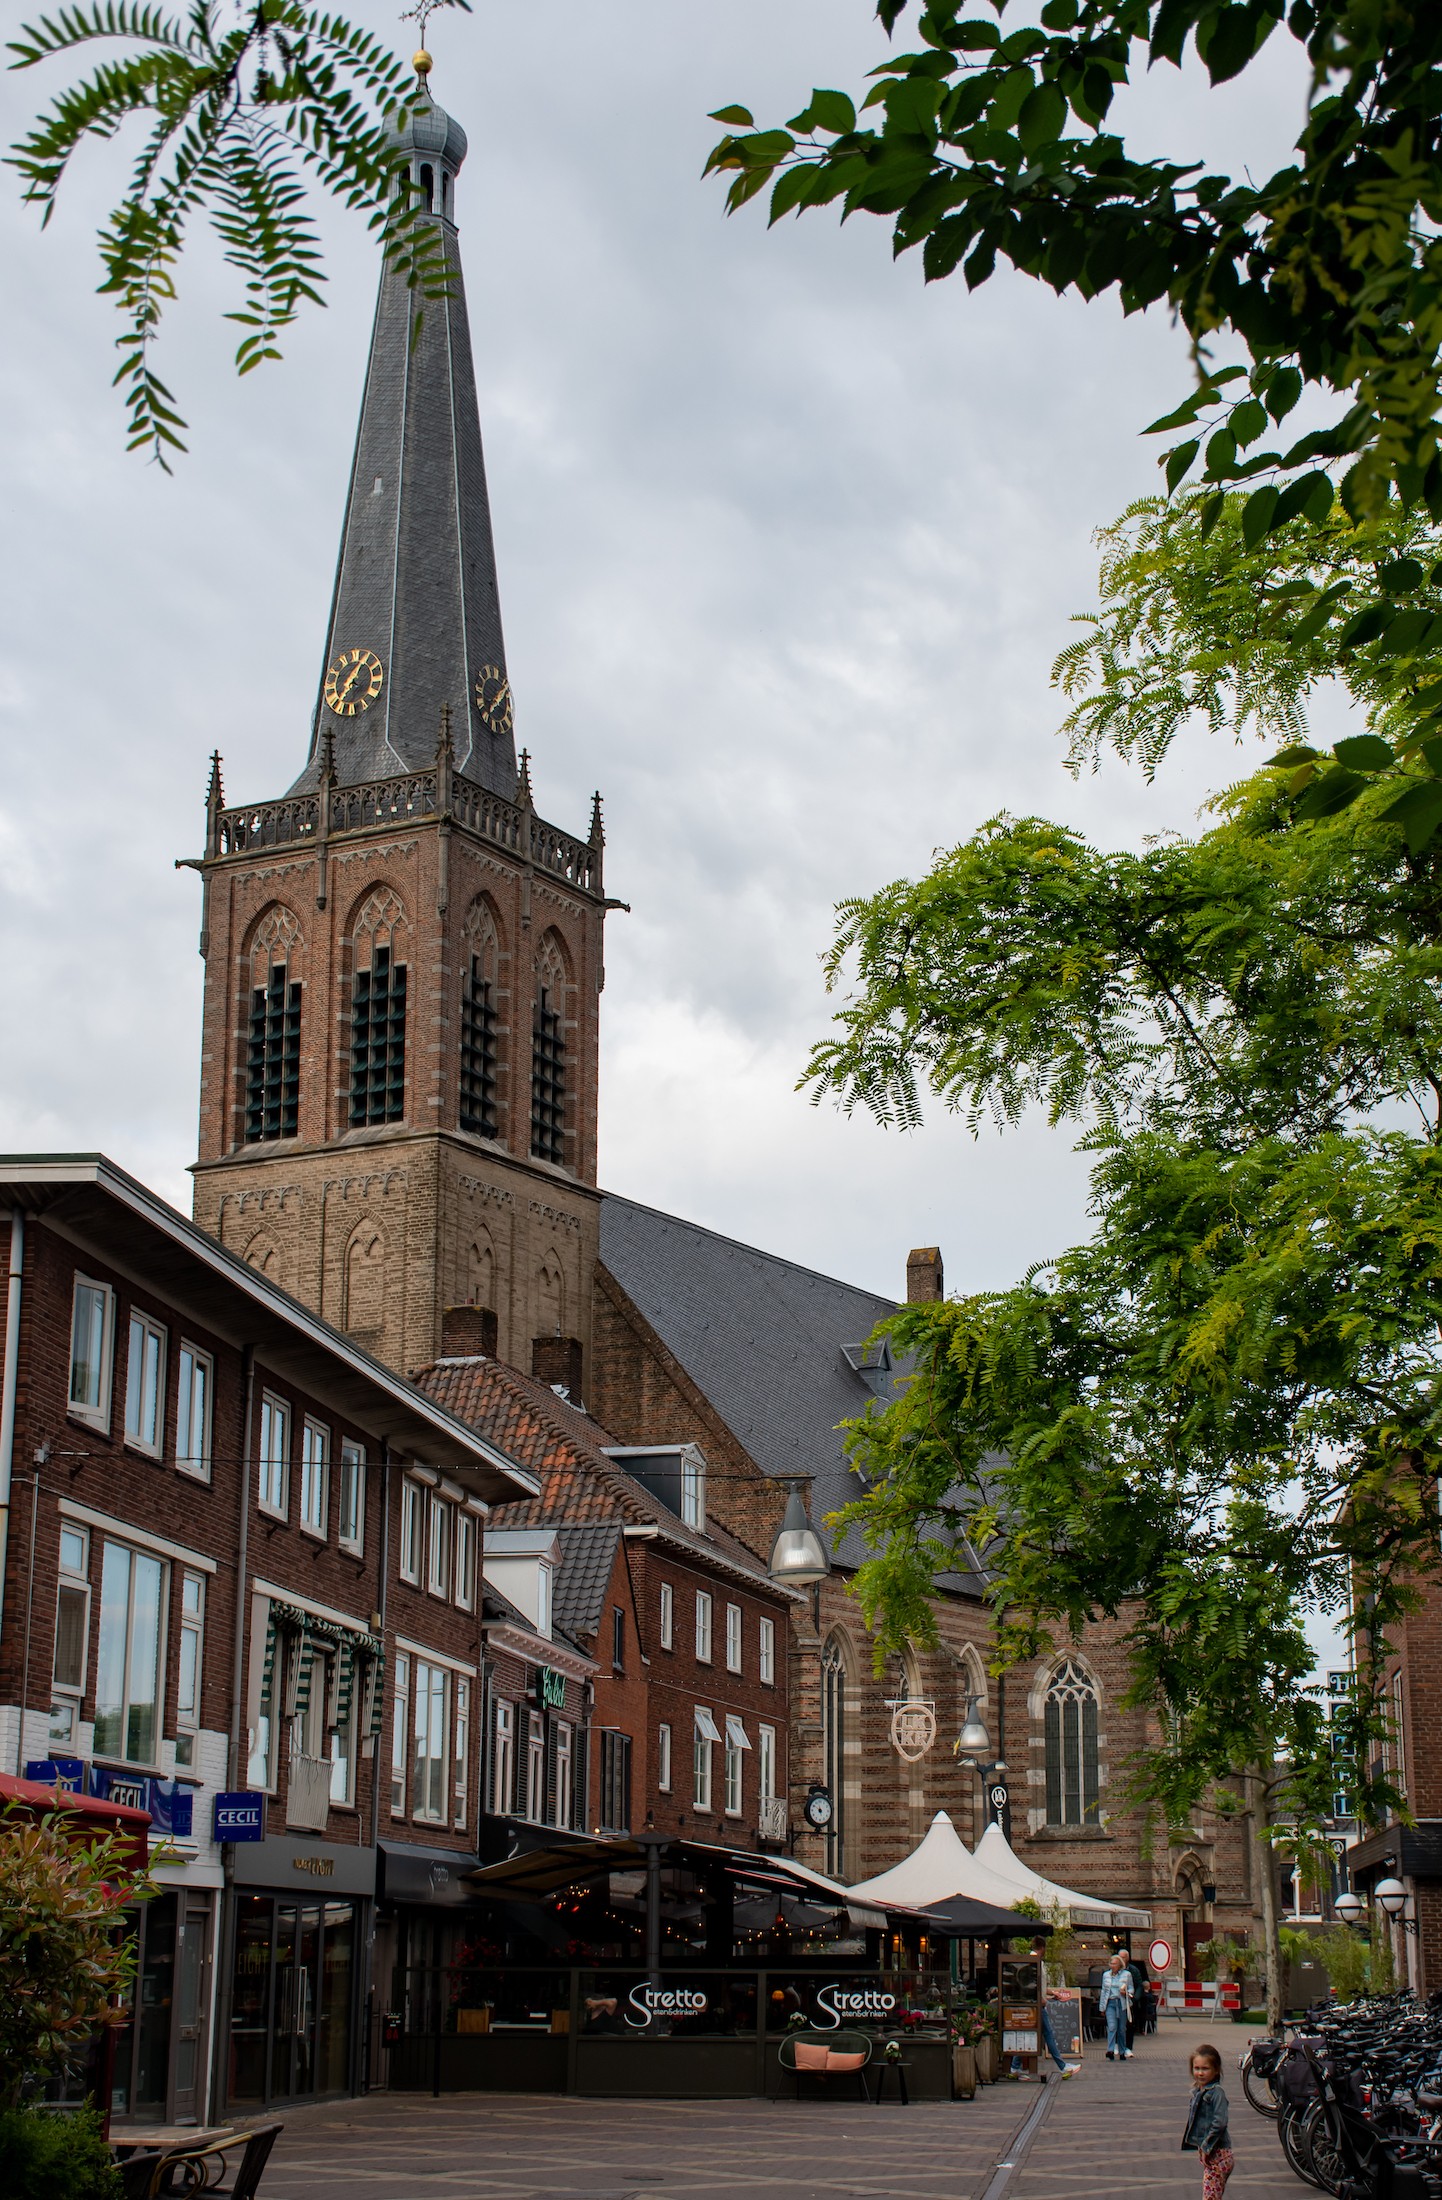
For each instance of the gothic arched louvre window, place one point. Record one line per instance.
(1072, 1782)
(272, 1065)
(365, 1280)
(478, 1025)
(548, 1056)
(833, 1748)
(378, 1013)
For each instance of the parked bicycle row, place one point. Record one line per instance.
(1356, 2094)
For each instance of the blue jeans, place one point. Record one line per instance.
(1117, 2026)
(1048, 2038)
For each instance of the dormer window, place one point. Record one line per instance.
(693, 1491)
(543, 1600)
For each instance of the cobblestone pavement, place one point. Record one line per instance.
(1114, 2129)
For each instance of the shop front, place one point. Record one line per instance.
(299, 1923)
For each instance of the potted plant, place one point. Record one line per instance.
(470, 1989)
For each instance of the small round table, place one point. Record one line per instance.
(901, 2068)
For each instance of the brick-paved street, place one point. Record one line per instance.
(1114, 2129)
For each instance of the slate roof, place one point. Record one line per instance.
(765, 1340)
(581, 1489)
(498, 1610)
(416, 577)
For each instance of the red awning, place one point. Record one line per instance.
(89, 1814)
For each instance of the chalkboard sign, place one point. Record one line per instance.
(1063, 2006)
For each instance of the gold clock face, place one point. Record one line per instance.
(353, 682)
(494, 700)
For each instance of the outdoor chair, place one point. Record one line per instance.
(831, 2057)
(180, 2171)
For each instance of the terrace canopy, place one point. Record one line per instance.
(941, 1868)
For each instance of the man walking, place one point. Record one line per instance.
(1115, 2004)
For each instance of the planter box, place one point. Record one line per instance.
(988, 2059)
(473, 2020)
(963, 2073)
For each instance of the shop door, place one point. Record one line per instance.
(297, 1999)
(1192, 1937)
(188, 2024)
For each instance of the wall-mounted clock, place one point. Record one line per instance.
(353, 682)
(816, 1809)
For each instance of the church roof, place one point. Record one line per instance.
(415, 581)
(773, 1346)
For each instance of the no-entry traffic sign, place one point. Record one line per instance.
(1159, 1955)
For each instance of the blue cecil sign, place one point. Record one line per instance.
(240, 1817)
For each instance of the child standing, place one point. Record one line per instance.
(1206, 2133)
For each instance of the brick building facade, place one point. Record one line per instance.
(206, 1590)
(1412, 1694)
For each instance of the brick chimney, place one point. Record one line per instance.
(923, 1274)
(468, 1332)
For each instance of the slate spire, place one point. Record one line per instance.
(415, 618)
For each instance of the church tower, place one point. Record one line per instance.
(403, 961)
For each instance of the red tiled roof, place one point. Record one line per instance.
(565, 1448)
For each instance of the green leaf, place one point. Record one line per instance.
(1042, 117)
(1331, 792)
(740, 118)
(1410, 632)
(1212, 511)
(1400, 576)
(1221, 454)
(1365, 625)
(1178, 461)
(974, 37)
(1365, 752)
(1418, 812)
(1015, 89)
(1310, 493)
(834, 113)
(1258, 513)
(1248, 421)
(1299, 754)
(1059, 15)
(1283, 392)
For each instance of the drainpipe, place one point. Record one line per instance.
(367, 1984)
(237, 1717)
(11, 1383)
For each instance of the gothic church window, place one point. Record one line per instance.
(272, 1067)
(365, 1300)
(548, 1059)
(378, 1015)
(478, 1027)
(1072, 1775)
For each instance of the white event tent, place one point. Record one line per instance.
(941, 1867)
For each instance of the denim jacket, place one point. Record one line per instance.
(1116, 1986)
(1207, 2123)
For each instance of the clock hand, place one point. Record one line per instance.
(350, 680)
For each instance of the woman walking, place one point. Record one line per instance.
(1115, 2004)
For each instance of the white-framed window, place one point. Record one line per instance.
(466, 1540)
(400, 1721)
(129, 1664)
(274, 1455)
(563, 1773)
(408, 1557)
(342, 1736)
(192, 1410)
(733, 1638)
(350, 1517)
(91, 1351)
(191, 1666)
(438, 1548)
(145, 1386)
(766, 1661)
(668, 1616)
(428, 1780)
(736, 1743)
(461, 1755)
(543, 1601)
(703, 1626)
(693, 1493)
(706, 1735)
(259, 1770)
(72, 1638)
(663, 1759)
(314, 1478)
(504, 1770)
(535, 1767)
(766, 1762)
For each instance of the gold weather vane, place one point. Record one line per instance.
(420, 15)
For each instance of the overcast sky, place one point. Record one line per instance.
(787, 544)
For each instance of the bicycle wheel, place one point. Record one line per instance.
(1319, 2142)
(1259, 2092)
(1289, 2131)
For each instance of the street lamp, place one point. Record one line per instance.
(973, 1747)
(973, 1741)
(798, 1555)
(1349, 1907)
(1391, 1896)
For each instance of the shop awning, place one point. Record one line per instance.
(963, 1920)
(941, 1868)
(84, 1817)
(546, 1871)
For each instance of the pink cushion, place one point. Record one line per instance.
(811, 2054)
(843, 2062)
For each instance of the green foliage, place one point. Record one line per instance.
(236, 115)
(61, 1961)
(56, 2156)
(981, 144)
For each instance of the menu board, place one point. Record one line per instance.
(1064, 2008)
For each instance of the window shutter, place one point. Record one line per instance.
(520, 1760)
(550, 1768)
(625, 1741)
(491, 1735)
